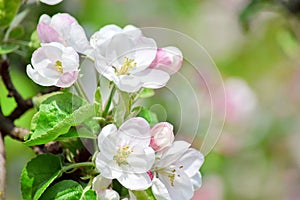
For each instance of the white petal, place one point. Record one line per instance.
(100, 183)
(107, 140)
(182, 188)
(191, 161)
(45, 18)
(104, 34)
(144, 53)
(152, 78)
(78, 39)
(129, 84)
(70, 59)
(136, 131)
(38, 78)
(108, 195)
(172, 154)
(133, 31)
(197, 181)
(51, 2)
(107, 167)
(135, 181)
(159, 190)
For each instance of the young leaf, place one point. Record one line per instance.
(56, 116)
(64, 190)
(8, 10)
(38, 174)
(148, 115)
(146, 93)
(89, 195)
(98, 102)
(5, 48)
(144, 195)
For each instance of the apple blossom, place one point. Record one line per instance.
(168, 59)
(54, 64)
(125, 154)
(49, 2)
(161, 136)
(124, 56)
(100, 185)
(63, 28)
(177, 173)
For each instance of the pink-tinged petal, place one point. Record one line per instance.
(161, 136)
(152, 78)
(67, 79)
(51, 2)
(62, 22)
(168, 59)
(180, 188)
(135, 131)
(159, 190)
(191, 161)
(172, 154)
(134, 181)
(47, 34)
(38, 78)
(128, 83)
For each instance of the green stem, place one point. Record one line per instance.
(112, 92)
(80, 90)
(77, 165)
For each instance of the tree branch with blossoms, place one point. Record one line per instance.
(100, 146)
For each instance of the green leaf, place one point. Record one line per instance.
(56, 116)
(144, 195)
(38, 174)
(89, 195)
(37, 100)
(34, 40)
(64, 190)
(8, 10)
(6, 48)
(98, 102)
(147, 115)
(81, 132)
(146, 93)
(17, 32)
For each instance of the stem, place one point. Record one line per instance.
(80, 90)
(2, 168)
(112, 92)
(77, 165)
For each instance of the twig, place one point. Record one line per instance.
(2, 168)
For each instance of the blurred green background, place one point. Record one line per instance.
(255, 45)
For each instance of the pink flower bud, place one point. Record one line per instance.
(161, 136)
(168, 59)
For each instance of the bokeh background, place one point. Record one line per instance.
(255, 45)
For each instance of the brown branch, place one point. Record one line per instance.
(2, 168)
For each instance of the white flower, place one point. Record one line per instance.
(54, 64)
(161, 136)
(49, 2)
(124, 56)
(177, 173)
(63, 28)
(100, 185)
(125, 154)
(168, 59)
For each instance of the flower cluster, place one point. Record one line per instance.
(140, 157)
(137, 156)
(124, 56)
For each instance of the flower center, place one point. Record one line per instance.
(58, 66)
(127, 65)
(171, 174)
(122, 155)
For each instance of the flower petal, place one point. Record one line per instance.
(51, 2)
(100, 183)
(135, 181)
(126, 83)
(197, 181)
(192, 160)
(38, 78)
(104, 34)
(152, 78)
(47, 34)
(135, 131)
(108, 195)
(67, 79)
(181, 188)
(172, 154)
(159, 190)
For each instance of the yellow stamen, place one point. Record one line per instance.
(127, 65)
(122, 155)
(58, 66)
